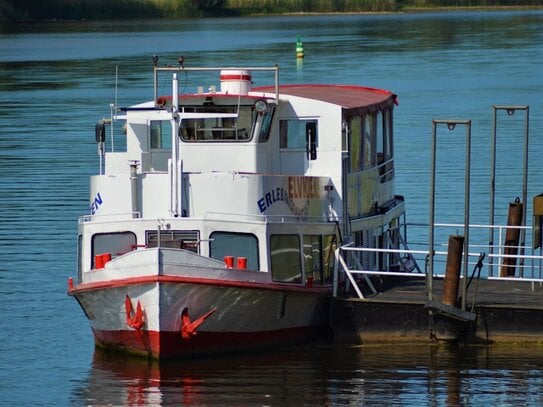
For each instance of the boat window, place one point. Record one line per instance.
(174, 239)
(285, 258)
(160, 134)
(293, 133)
(236, 245)
(265, 126)
(313, 258)
(384, 136)
(353, 195)
(218, 129)
(330, 245)
(345, 134)
(380, 139)
(368, 147)
(388, 134)
(116, 244)
(355, 145)
(79, 258)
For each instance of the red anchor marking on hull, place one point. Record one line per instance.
(135, 321)
(188, 327)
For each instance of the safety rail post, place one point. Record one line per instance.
(340, 261)
(451, 125)
(335, 281)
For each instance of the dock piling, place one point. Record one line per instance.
(512, 237)
(452, 271)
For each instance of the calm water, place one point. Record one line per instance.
(57, 80)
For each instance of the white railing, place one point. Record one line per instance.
(528, 264)
(181, 68)
(108, 216)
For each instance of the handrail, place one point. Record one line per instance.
(531, 270)
(90, 218)
(181, 68)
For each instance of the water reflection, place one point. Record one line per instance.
(322, 375)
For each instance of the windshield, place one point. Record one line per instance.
(218, 129)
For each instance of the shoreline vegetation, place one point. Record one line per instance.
(41, 10)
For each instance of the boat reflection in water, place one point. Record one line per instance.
(324, 375)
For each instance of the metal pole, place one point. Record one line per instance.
(175, 146)
(155, 84)
(134, 187)
(430, 272)
(492, 194)
(155, 78)
(466, 212)
(524, 189)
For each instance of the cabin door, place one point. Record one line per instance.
(297, 145)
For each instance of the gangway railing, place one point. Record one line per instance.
(528, 264)
(342, 266)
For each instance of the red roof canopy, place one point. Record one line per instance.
(356, 100)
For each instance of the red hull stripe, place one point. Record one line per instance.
(234, 77)
(196, 281)
(170, 344)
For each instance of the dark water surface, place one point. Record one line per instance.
(58, 79)
(325, 376)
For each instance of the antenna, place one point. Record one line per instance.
(116, 84)
(113, 106)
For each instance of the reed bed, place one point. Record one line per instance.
(312, 6)
(13, 10)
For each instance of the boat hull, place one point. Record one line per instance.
(194, 317)
(160, 345)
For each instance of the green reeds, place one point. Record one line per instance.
(312, 6)
(12, 10)
(97, 9)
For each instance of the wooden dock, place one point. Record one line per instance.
(496, 311)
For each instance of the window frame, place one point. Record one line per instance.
(328, 259)
(297, 277)
(165, 142)
(113, 254)
(299, 133)
(216, 133)
(192, 236)
(266, 124)
(250, 260)
(369, 139)
(388, 130)
(316, 273)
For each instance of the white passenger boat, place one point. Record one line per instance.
(215, 214)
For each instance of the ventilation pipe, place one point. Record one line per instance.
(134, 188)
